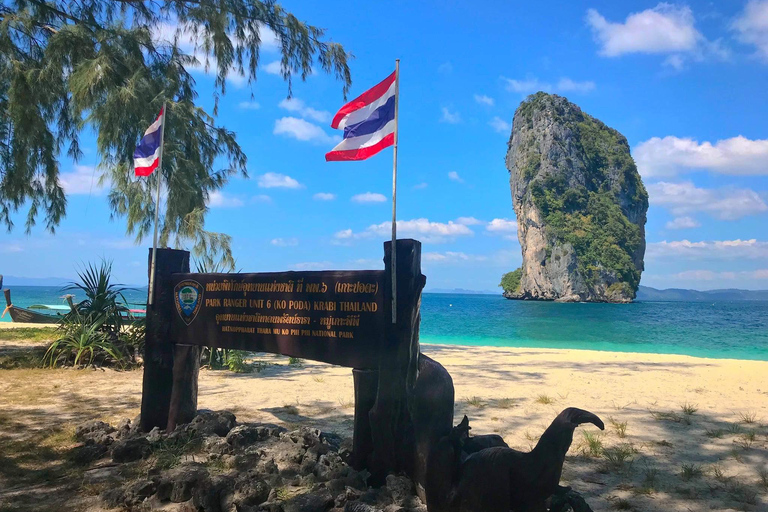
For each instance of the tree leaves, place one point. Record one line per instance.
(109, 66)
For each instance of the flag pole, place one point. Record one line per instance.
(394, 197)
(157, 208)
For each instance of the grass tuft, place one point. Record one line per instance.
(748, 417)
(619, 426)
(763, 474)
(746, 439)
(619, 503)
(620, 455)
(689, 409)
(475, 401)
(690, 471)
(504, 403)
(545, 400)
(715, 433)
(593, 445)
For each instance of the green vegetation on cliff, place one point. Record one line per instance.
(591, 216)
(510, 282)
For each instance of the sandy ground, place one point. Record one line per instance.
(695, 429)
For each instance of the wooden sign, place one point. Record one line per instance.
(330, 316)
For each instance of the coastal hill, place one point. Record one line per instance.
(648, 294)
(580, 205)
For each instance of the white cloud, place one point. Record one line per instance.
(682, 223)
(450, 117)
(502, 226)
(218, 199)
(725, 203)
(674, 155)
(708, 250)
(302, 130)
(11, 248)
(274, 68)
(82, 180)
(296, 105)
(450, 257)
(484, 100)
(277, 180)
(261, 198)
(468, 221)
(445, 68)
(420, 186)
(454, 176)
(567, 85)
(248, 105)
(532, 84)
(324, 196)
(369, 197)
(751, 26)
(312, 265)
(526, 86)
(664, 29)
(285, 242)
(423, 229)
(500, 125)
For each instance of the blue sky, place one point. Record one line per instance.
(685, 83)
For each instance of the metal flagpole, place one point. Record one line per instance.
(157, 208)
(394, 198)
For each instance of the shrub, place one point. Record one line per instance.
(104, 300)
(510, 282)
(83, 342)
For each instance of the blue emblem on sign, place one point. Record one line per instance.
(188, 296)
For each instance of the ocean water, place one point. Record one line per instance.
(732, 330)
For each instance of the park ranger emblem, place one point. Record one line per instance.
(188, 296)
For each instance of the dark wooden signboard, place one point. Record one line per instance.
(330, 316)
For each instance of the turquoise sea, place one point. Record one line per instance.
(734, 330)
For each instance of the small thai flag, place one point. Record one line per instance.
(147, 154)
(368, 122)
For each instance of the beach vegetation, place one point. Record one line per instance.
(169, 451)
(295, 361)
(530, 437)
(82, 342)
(748, 417)
(504, 403)
(690, 471)
(545, 400)
(108, 67)
(236, 361)
(291, 409)
(715, 433)
(620, 455)
(746, 439)
(734, 428)
(318, 378)
(650, 478)
(510, 282)
(689, 408)
(28, 334)
(104, 299)
(718, 473)
(664, 443)
(475, 401)
(619, 503)
(345, 403)
(592, 445)
(619, 426)
(762, 474)
(741, 492)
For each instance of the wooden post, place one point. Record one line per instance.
(186, 369)
(366, 386)
(157, 385)
(391, 425)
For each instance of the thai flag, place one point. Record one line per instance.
(368, 122)
(147, 154)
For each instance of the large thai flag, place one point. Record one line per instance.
(147, 154)
(368, 122)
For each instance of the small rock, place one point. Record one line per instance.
(207, 423)
(106, 474)
(183, 481)
(129, 450)
(92, 427)
(271, 506)
(356, 506)
(400, 487)
(138, 491)
(154, 435)
(85, 454)
(112, 498)
(394, 508)
(314, 502)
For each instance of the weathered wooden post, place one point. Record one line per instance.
(366, 384)
(157, 384)
(391, 425)
(186, 370)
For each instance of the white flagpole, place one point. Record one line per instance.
(394, 198)
(157, 207)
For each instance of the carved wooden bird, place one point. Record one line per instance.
(500, 479)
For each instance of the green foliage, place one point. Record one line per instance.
(236, 361)
(510, 282)
(83, 342)
(108, 67)
(104, 300)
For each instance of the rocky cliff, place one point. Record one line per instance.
(580, 205)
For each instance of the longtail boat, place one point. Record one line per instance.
(23, 315)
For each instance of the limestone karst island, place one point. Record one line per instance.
(580, 206)
(395, 257)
